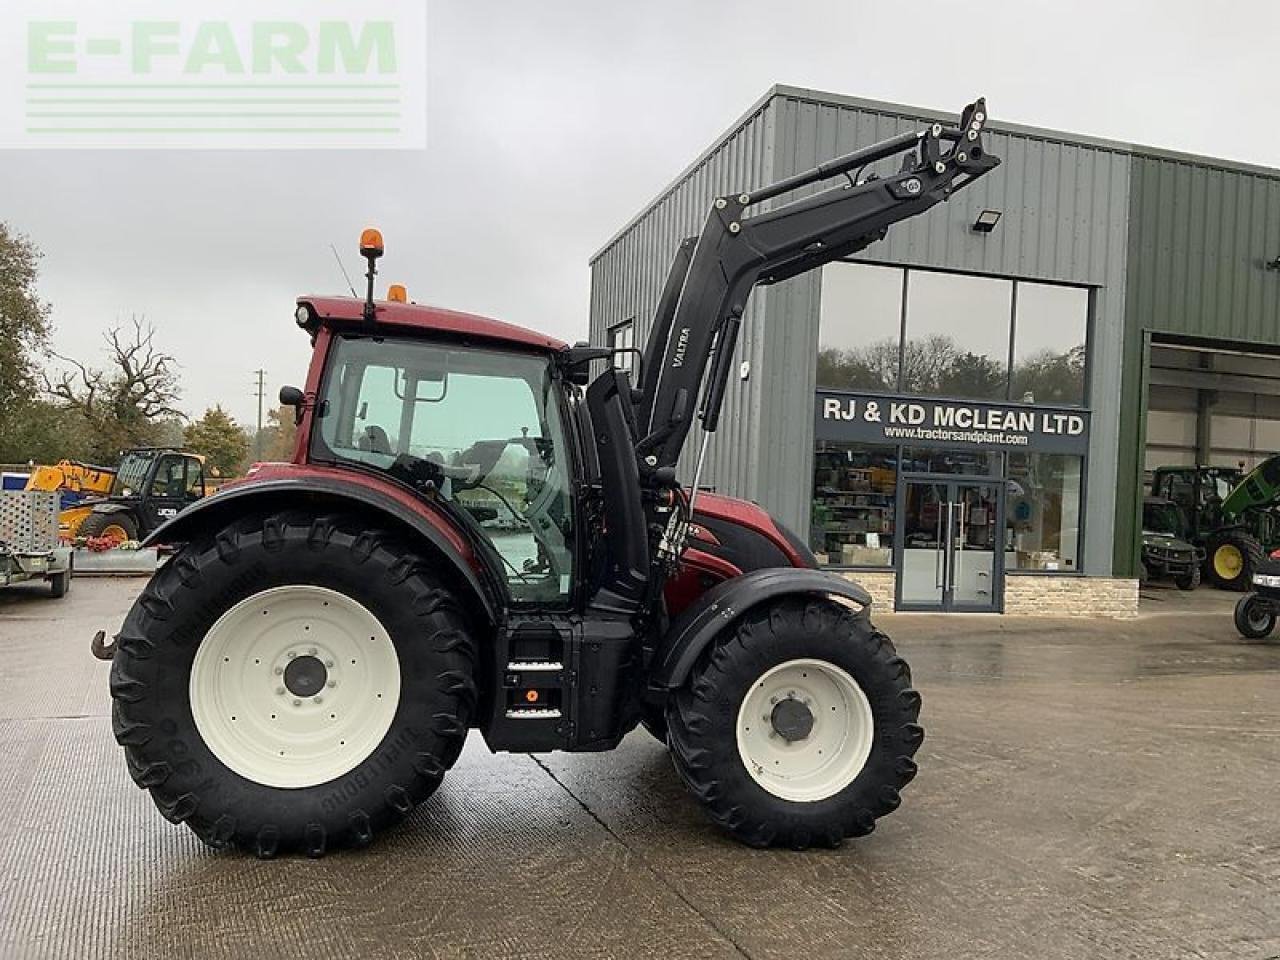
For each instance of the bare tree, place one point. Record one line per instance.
(125, 403)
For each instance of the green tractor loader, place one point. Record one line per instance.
(1234, 517)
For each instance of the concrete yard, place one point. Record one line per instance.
(1087, 789)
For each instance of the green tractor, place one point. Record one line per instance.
(1233, 517)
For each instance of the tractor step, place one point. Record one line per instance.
(551, 669)
(533, 713)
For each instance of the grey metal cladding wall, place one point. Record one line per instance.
(628, 273)
(1065, 207)
(1201, 236)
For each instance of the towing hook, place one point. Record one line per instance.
(102, 650)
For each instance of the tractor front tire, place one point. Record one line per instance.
(798, 726)
(119, 526)
(1254, 617)
(1232, 558)
(1190, 580)
(292, 684)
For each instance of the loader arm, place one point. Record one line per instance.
(703, 299)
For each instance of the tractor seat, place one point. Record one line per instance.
(375, 440)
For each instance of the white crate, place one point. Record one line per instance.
(29, 520)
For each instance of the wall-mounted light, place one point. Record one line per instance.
(986, 221)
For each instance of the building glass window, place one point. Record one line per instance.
(974, 463)
(960, 333)
(859, 327)
(1050, 330)
(854, 491)
(623, 337)
(957, 336)
(1042, 512)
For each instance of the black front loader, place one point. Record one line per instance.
(706, 292)
(703, 299)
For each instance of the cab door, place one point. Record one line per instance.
(168, 493)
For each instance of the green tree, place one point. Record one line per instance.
(973, 375)
(24, 332)
(43, 432)
(871, 367)
(221, 440)
(1050, 377)
(279, 435)
(276, 439)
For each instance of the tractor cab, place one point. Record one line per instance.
(1231, 517)
(152, 485)
(480, 430)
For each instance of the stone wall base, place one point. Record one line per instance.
(1034, 596)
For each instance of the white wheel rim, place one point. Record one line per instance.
(264, 724)
(834, 751)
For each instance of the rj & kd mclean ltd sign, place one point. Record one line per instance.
(913, 421)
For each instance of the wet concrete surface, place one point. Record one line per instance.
(1086, 789)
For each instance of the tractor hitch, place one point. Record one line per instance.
(100, 648)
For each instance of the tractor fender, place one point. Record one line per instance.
(700, 623)
(212, 512)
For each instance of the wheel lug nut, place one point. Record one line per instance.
(279, 671)
(311, 652)
(297, 703)
(280, 690)
(292, 654)
(316, 700)
(331, 684)
(329, 664)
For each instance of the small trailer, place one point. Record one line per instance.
(29, 546)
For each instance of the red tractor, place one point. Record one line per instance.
(475, 533)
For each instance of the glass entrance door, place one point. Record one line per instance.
(949, 539)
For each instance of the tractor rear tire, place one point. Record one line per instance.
(1232, 558)
(1254, 617)
(1189, 581)
(211, 691)
(105, 524)
(798, 726)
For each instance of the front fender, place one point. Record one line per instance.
(215, 511)
(725, 603)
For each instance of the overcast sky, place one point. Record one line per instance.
(551, 123)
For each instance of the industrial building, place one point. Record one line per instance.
(1012, 363)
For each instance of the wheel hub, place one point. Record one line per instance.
(791, 719)
(305, 676)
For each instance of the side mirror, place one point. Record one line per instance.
(575, 361)
(293, 397)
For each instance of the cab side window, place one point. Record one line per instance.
(170, 479)
(478, 428)
(195, 479)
